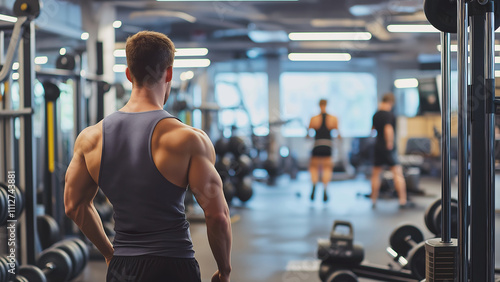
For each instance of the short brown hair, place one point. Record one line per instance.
(388, 98)
(149, 54)
(323, 102)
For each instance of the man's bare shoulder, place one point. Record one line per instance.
(89, 138)
(179, 134)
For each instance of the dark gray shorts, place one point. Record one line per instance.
(153, 268)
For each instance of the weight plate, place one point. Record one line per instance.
(325, 269)
(85, 252)
(58, 262)
(74, 252)
(19, 202)
(21, 279)
(3, 207)
(437, 220)
(399, 239)
(3, 270)
(342, 276)
(429, 216)
(416, 261)
(5, 263)
(48, 230)
(32, 273)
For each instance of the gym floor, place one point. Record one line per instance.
(275, 234)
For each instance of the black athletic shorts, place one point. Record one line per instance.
(152, 268)
(385, 158)
(322, 151)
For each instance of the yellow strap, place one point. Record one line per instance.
(50, 135)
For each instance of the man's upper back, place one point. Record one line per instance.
(142, 167)
(171, 146)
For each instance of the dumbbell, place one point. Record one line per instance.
(48, 231)
(62, 262)
(342, 276)
(6, 268)
(407, 247)
(6, 199)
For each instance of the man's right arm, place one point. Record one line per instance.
(206, 185)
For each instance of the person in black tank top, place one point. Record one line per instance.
(385, 153)
(321, 156)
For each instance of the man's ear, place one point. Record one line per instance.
(127, 73)
(168, 78)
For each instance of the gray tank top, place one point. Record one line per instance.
(148, 209)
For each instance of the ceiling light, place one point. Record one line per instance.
(266, 36)
(62, 51)
(406, 83)
(191, 63)
(119, 53)
(85, 36)
(15, 66)
(185, 52)
(8, 18)
(306, 36)
(42, 60)
(117, 24)
(497, 60)
(319, 57)
(15, 76)
(411, 28)
(119, 68)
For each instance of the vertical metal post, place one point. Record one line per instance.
(445, 137)
(481, 179)
(463, 146)
(489, 130)
(26, 156)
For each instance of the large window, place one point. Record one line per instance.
(244, 101)
(352, 97)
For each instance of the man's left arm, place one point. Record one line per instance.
(79, 193)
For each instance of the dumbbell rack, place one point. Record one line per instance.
(21, 41)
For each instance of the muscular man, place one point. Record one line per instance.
(384, 123)
(321, 158)
(143, 159)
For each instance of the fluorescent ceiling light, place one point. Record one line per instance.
(42, 60)
(319, 57)
(497, 60)
(185, 52)
(306, 36)
(187, 75)
(407, 28)
(263, 36)
(15, 76)
(85, 36)
(119, 53)
(15, 66)
(8, 18)
(406, 83)
(191, 63)
(119, 68)
(497, 73)
(117, 24)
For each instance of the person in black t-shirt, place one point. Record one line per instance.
(384, 123)
(321, 158)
